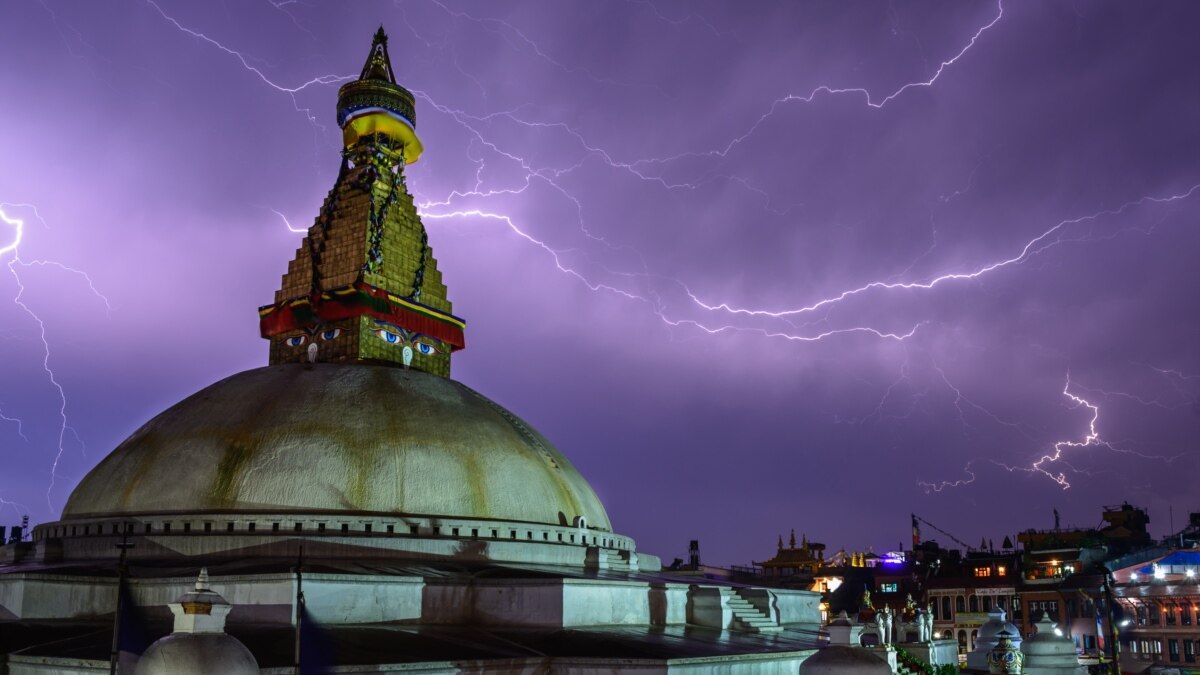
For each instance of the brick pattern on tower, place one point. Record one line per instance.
(364, 285)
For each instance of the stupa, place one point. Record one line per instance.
(1050, 653)
(355, 428)
(989, 637)
(198, 645)
(350, 494)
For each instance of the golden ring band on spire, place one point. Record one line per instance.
(372, 121)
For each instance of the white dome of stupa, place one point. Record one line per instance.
(842, 660)
(1050, 654)
(989, 637)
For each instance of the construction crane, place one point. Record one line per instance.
(958, 541)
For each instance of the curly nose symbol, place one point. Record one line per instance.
(312, 352)
(407, 355)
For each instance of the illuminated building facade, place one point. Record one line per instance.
(966, 590)
(1160, 624)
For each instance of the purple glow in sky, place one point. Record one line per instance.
(751, 266)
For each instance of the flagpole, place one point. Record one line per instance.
(299, 608)
(115, 654)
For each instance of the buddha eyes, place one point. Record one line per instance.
(326, 335)
(420, 345)
(389, 336)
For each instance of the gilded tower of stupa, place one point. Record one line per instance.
(364, 285)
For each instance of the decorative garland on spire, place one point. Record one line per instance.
(317, 248)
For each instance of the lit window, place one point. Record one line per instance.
(1001, 570)
(983, 571)
(889, 588)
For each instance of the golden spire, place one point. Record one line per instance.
(375, 104)
(364, 286)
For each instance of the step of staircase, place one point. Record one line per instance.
(615, 561)
(749, 618)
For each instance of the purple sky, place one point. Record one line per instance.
(644, 168)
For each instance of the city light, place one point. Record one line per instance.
(1190, 573)
(1159, 573)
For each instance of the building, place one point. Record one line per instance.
(1064, 576)
(964, 590)
(794, 566)
(1160, 624)
(351, 494)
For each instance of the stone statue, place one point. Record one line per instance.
(888, 636)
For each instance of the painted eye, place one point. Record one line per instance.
(331, 333)
(426, 349)
(295, 341)
(389, 336)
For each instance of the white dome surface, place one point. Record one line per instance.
(842, 660)
(339, 437)
(988, 638)
(197, 654)
(1050, 654)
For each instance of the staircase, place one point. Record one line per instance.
(748, 618)
(609, 559)
(613, 561)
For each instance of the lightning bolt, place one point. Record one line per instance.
(287, 224)
(1057, 455)
(1091, 438)
(13, 248)
(1148, 402)
(290, 91)
(17, 507)
(960, 398)
(18, 422)
(868, 98)
(1035, 246)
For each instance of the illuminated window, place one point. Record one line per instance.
(889, 588)
(1001, 570)
(983, 571)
